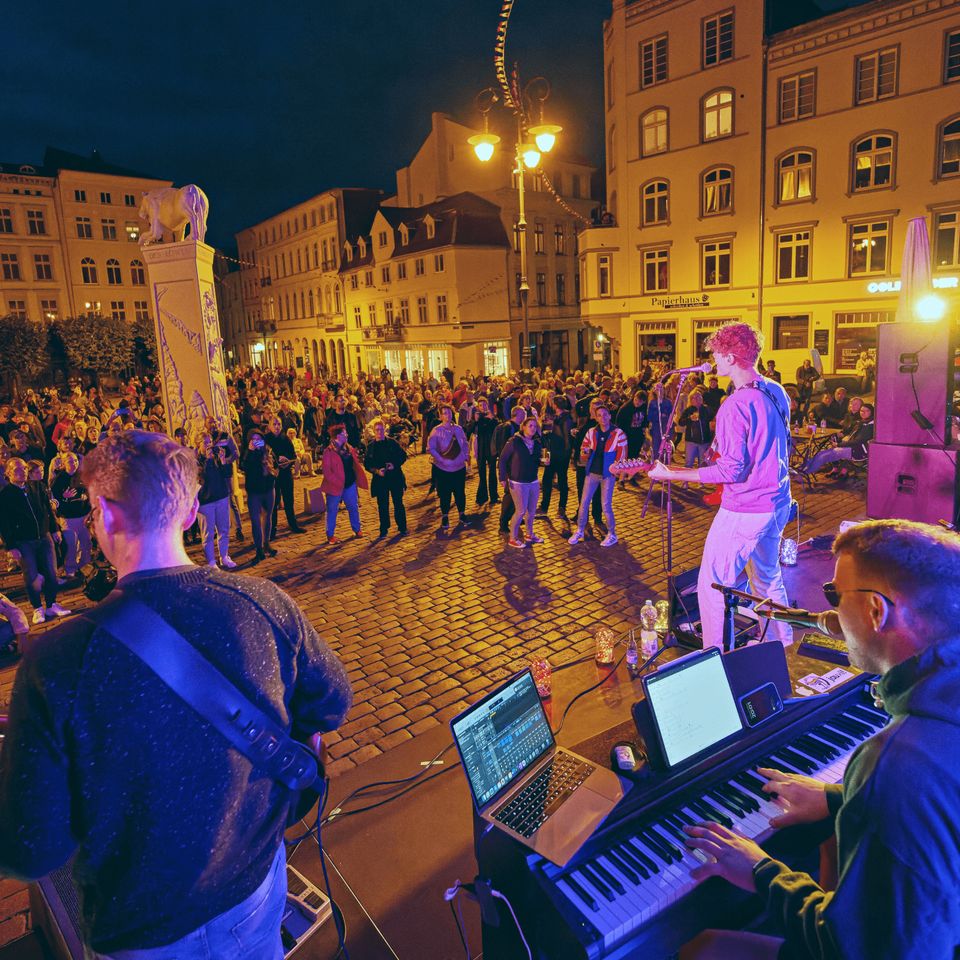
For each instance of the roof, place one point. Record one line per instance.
(58, 159)
(32, 170)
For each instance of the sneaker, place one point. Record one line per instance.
(332, 540)
(259, 557)
(39, 616)
(463, 521)
(298, 529)
(240, 535)
(358, 534)
(609, 540)
(444, 523)
(517, 544)
(576, 538)
(58, 611)
(270, 551)
(227, 563)
(213, 566)
(534, 539)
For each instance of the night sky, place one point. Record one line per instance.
(265, 104)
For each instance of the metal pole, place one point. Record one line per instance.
(525, 354)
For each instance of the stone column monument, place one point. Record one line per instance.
(189, 345)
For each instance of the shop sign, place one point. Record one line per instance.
(893, 286)
(671, 303)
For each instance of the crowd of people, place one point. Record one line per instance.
(513, 439)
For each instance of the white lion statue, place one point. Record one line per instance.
(172, 209)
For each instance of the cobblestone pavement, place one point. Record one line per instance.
(428, 622)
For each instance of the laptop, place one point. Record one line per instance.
(547, 797)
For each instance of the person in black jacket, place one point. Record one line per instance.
(486, 425)
(501, 436)
(697, 434)
(285, 457)
(73, 508)
(558, 441)
(631, 418)
(519, 468)
(850, 446)
(384, 459)
(260, 479)
(596, 506)
(214, 499)
(28, 528)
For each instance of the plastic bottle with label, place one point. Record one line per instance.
(649, 639)
(633, 655)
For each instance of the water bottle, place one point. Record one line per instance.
(823, 424)
(633, 655)
(649, 640)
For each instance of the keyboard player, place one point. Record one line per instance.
(896, 590)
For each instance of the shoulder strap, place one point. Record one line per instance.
(197, 682)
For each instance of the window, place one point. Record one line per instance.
(422, 309)
(385, 273)
(718, 39)
(42, 265)
(49, 309)
(653, 132)
(541, 289)
(388, 312)
(10, 264)
(441, 308)
(6, 220)
(951, 57)
(876, 76)
(868, 245)
(356, 316)
(133, 231)
(795, 176)
(88, 269)
(299, 263)
(793, 256)
(538, 237)
(576, 288)
(949, 156)
(137, 276)
(609, 84)
(517, 236)
(372, 314)
(84, 228)
(791, 333)
(354, 281)
(716, 263)
(431, 227)
(656, 270)
(612, 148)
(438, 263)
(382, 238)
(113, 272)
(946, 240)
(654, 202)
(336, 298)
(717, 191)
(561, 289)
(559, 240)
(718, 115)
(80, 196)
(418, 267)
(129, 200)
(872, 162)
(105, 197)
(92, 306)
(17, 309)
(404, 311)
(404, 235)
(402, 270)
(35, 223)
(117, 310)
(109, 228)
(140, 311)
(368, 278)
(798, 96)
(312, 304)
(653, 61)
(604, 275)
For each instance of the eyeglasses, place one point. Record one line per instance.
(833, 595)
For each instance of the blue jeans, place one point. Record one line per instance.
(590, 484)
(215, 528)
(817, 462)
(349, 497)
(248, 931)
(38, 560)
(695, 452)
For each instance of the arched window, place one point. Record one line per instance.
(873, 159)
(654, 132)
(327, 299)
(113, 272)
(795, 176)
(949, 152)
(612, 148)
(654, 203)
(716, 191)
(718, 114)
(137, 276)
(88, 269)
(336, 298)
(311, 304)
(343, 360)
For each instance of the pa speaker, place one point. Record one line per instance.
(914, 383)
(911, 483)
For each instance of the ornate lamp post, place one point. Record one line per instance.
(531, 142)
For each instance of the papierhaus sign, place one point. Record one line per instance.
(671, 303)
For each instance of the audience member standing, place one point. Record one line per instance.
(214, 500)
(286, 459)
(342, 475)
(486, 425)
(501, 437)
(449, 451)
(519, 467)
(73, 508)
(603, 445)
(697, 435)
(558, 441)
(260, 479)
(384, 459)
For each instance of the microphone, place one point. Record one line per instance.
(705, 367)
(827, 621)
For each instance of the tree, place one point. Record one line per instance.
(23, 350)
(97, 344)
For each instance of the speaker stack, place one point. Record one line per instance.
(912, 468)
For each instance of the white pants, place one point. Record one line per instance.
(741, 543)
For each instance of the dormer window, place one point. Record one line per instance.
(431, 225)
(348, 251)
(26, 168)
(404, 235)
(362, 244)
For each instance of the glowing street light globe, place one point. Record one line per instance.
(483, 145)
(530, 155)
(545, 135)
(930, 308)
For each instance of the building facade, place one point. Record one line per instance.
(769, 175)
(69, 235)
(293, 304)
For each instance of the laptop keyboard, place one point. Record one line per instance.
(528, 810)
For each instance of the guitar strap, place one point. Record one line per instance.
(200, 684)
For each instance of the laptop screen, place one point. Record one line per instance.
(502, 735)
(692, 705)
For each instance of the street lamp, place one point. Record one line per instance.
(531, 143)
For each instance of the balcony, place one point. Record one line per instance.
(386, 334)
(266, 282)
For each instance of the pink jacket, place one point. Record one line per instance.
(333, 471)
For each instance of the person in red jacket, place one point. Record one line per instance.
(342, 474)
